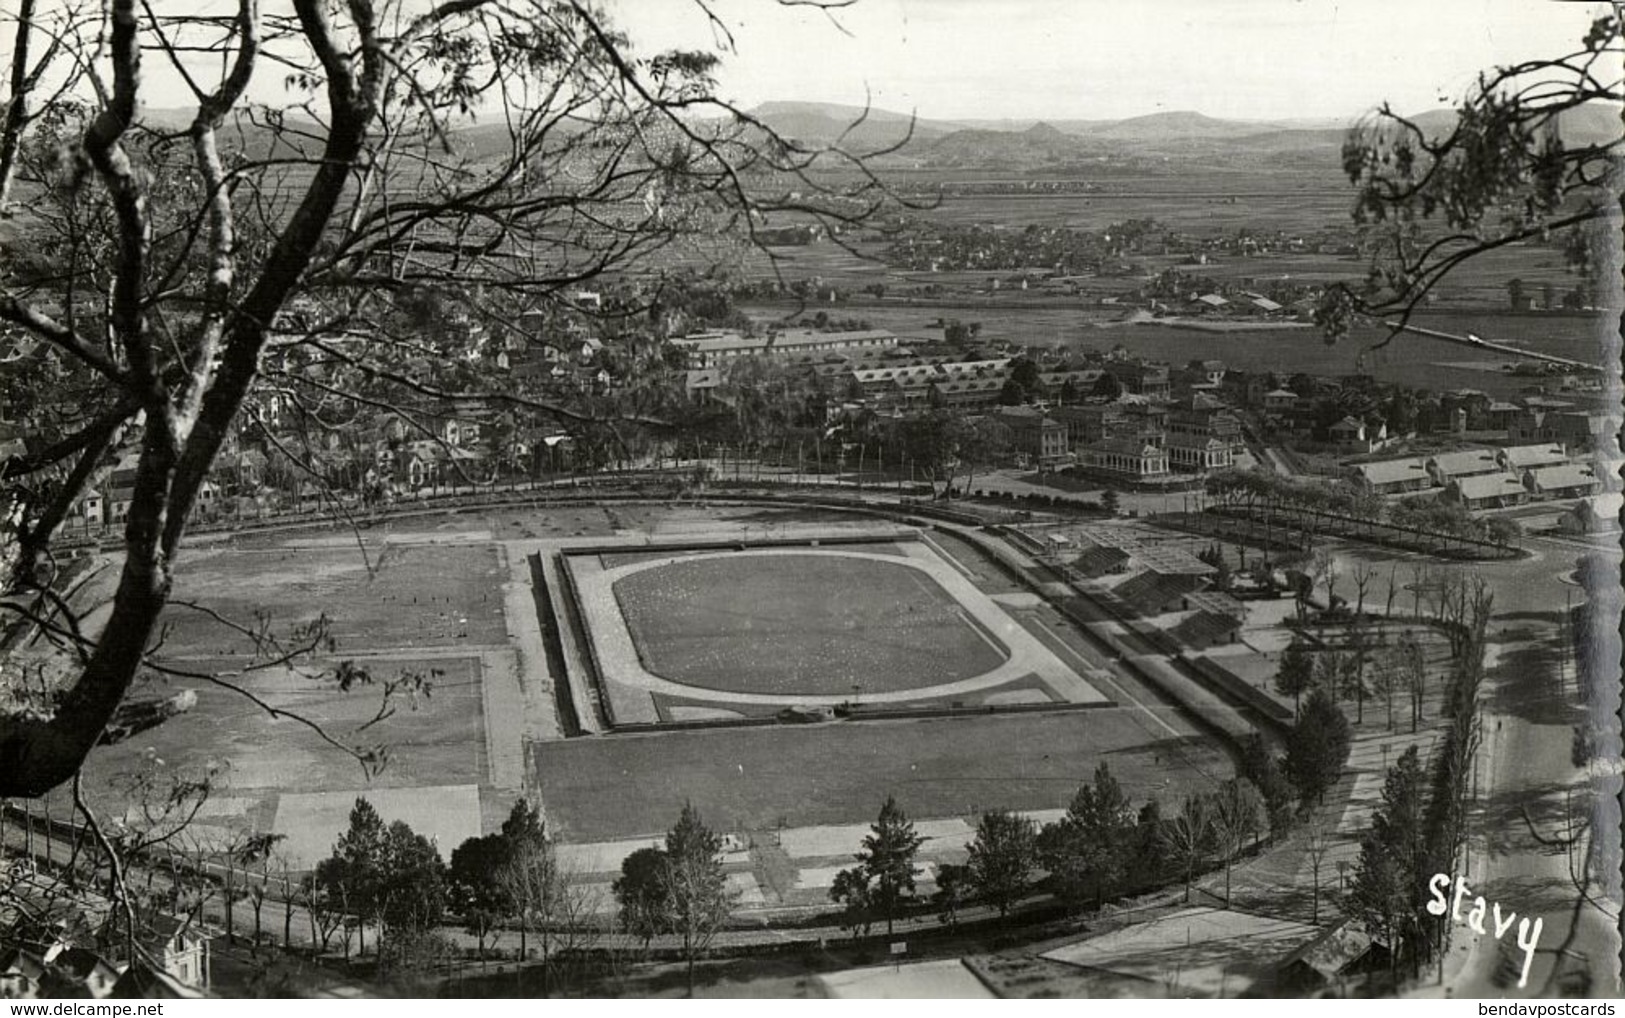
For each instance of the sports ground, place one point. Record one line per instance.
(730, 634)
(806, 623)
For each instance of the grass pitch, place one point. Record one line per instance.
(761, 778)
(802, 624)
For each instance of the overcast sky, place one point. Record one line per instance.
(1085, 59)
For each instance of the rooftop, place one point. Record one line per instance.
(1487, 486)
(1469, 461)
(1521, 457)
(1200, 951)
(1571, 475)
(1392, 471)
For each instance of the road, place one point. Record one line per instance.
(1529, 710)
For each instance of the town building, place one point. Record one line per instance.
(1392, 477)
(1200, 417)
(1090, 422)
(1485, 491)
(1571, 480)
(1126, 457)
(1449, 466)
(701, 384)
(1279, 400)
(1195, 454)
(1141, 378)
(1519, 458)
(709, 349)
(1578, 432)
(1594, 514)
(966, 392)
(1032, 434)
(1355, 435)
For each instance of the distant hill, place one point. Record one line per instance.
(827, 123)
(1591, 124)
(1029, 145)
(1177, 125)
(1020, 145)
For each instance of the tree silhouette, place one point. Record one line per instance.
(888, 860)
(1515, 166)
(1002, 858)
(337, 254)
(1317, 746)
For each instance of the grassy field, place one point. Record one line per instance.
(415, 596)
(438, 739)
(804, 624)
(760, 778)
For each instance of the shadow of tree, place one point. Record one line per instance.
(1526, 685)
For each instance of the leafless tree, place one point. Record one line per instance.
(1363, 574)
(269, 265)
(1316, 845)
(29, 75)
(1327, 571)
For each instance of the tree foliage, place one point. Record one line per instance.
(1003, 856)
(1295, 674)
(1317, 746)
(1390, 891)
(1515, 166)
(1088, 851)
(275, 270)
(887, 860)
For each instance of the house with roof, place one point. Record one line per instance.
(1449, 466)
(985, 367)
(1141, 378)
(1571, 480)
(1264, 304)
(1098, 561)
(92, 508)
(1341, 950)
(79, 972)
(966, 392)
(1485, 491)
(21, 974)
(144, 981)
(1126, 456)
(1035, 435)
(1582, 433)
(1354, 435)
(1202, 415)
(1519, 458)
(1081, 380)
(1392, 477)
(1088, 422)
(1208, 302)
(700, 384)
(180, 948)
(1196, 454)
(1594, 514)
(1279, 400)
(1154, 593)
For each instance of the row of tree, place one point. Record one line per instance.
(1303, 503)
(1102, 848)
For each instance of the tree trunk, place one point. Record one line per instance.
(17, 113)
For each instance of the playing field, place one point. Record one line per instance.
(424, 595)
(761, 778)
(801, 624)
